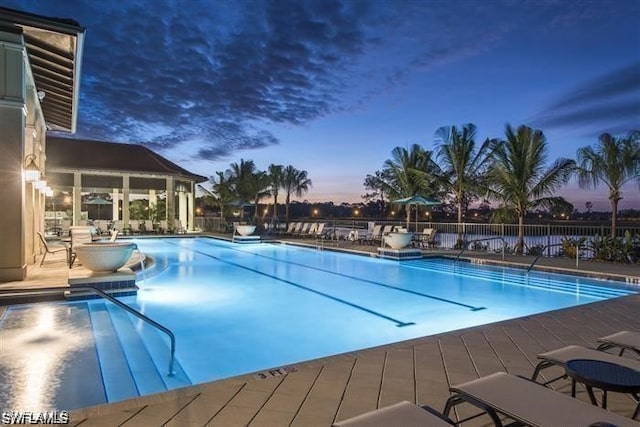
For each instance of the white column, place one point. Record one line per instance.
(182, 208)
(125, 201)
(190, 221)
(171, 209)
(77, 197)
(153, 199)
(116, 205)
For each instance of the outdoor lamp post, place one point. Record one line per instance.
(31, 170)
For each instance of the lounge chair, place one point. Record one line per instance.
(162, 226)
(528, 403)
(561, 356)
(320, 232)
(48, 249)
(376, 234)
(177, 227)
(134, 226)
(79, 236)
(148, 226)
(304, 230)
(624, 340)
(403, 413)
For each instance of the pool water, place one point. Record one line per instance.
(237, 309)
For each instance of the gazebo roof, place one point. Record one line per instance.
(87, 155)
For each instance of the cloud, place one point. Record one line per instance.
(216, 75)
(610, 103)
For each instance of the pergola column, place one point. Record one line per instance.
(182, 208)
(190, 221)
(153, 199)
(12, 161)
(116, 205)
(125, 201)
(77, 197)
(171, 209)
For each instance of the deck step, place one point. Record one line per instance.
(116, 375)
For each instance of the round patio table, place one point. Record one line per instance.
(604, 376)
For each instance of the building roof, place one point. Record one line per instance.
(54, 47)
(85, 155)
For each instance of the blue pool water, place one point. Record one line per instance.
(237, 309)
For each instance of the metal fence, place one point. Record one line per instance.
(544, 239)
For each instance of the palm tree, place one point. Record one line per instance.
(614, 162)
(258, 186)
(276, 175)
(223, 191)
(294, 182)
(462, 165)
(410, 172)
(241, 174)
(519, 178)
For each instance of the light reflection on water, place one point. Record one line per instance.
(37, 343)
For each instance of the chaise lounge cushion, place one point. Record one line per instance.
(404, 414)
(533, 404)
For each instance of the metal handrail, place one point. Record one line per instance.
(108, 297)
(578, 246)
(466, 245)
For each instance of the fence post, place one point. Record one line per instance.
(548, 241)
(577, 253)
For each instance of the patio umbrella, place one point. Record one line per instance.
(98, 201)
(416, 199)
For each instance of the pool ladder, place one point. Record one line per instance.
(466, 245)
(172, 337)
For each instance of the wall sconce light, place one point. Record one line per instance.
(31, 170)
(41, 185)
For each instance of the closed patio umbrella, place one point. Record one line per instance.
(98, 201)
(416, 199)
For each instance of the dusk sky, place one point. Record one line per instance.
(333, 86)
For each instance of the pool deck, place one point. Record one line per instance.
(322, 391)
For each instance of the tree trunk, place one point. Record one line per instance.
(460, 238)
(614, 217)
(275, 206)
(520, 245)
(286, 201)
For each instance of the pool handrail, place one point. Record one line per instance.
(108, 297)
(579, 245)
(465, 245)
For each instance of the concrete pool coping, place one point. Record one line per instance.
(325, 390)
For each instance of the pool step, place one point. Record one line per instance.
(142, 367)
(159, 347)
(533, 280)
(116, 375)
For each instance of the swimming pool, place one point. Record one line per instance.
(237, 309)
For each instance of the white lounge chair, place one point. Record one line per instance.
(529, 403)
(403, 414)
(134, 226)
(148, 226)
(79, 236)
